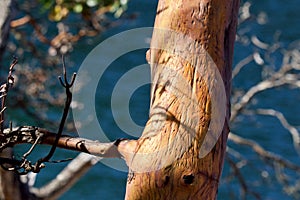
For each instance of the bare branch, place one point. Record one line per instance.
(244, 186)
(28, 134)
(66, 178)
(257, 42)
(241, 64)
(292, 130)
(262, 152)
(239, 176)
(32, 147)
(262, 86)
(34, 135)
(65, 83)
(4, 90)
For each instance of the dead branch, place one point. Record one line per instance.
(34, 135)
(65, 83)
(292, 130)
(278, 79)
(244, 186)
(241, 64)
(29, 134)
(293, 189)
(66, 178)
(4, 90)
(267, 155)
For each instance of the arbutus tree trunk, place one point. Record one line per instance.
(180, 155)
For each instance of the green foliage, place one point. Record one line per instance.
(60, 9)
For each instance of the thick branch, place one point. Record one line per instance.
(29, 134)
(70, 175)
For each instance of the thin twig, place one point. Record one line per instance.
(239, 176)
(4, 90)
(68, 101)
(31, 148)
(241, 64)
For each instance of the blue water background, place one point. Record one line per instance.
(102, 182)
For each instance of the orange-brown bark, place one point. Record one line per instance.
(160, 167)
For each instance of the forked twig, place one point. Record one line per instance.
(67, 85)
(23, 166)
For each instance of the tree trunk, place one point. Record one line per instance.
(176, 157)
(6, 13)
(7, 179)
(10, 184)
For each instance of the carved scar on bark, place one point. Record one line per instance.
(161, 10)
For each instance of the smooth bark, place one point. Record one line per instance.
(212, 25)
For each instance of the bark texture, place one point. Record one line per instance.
(160, 167)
